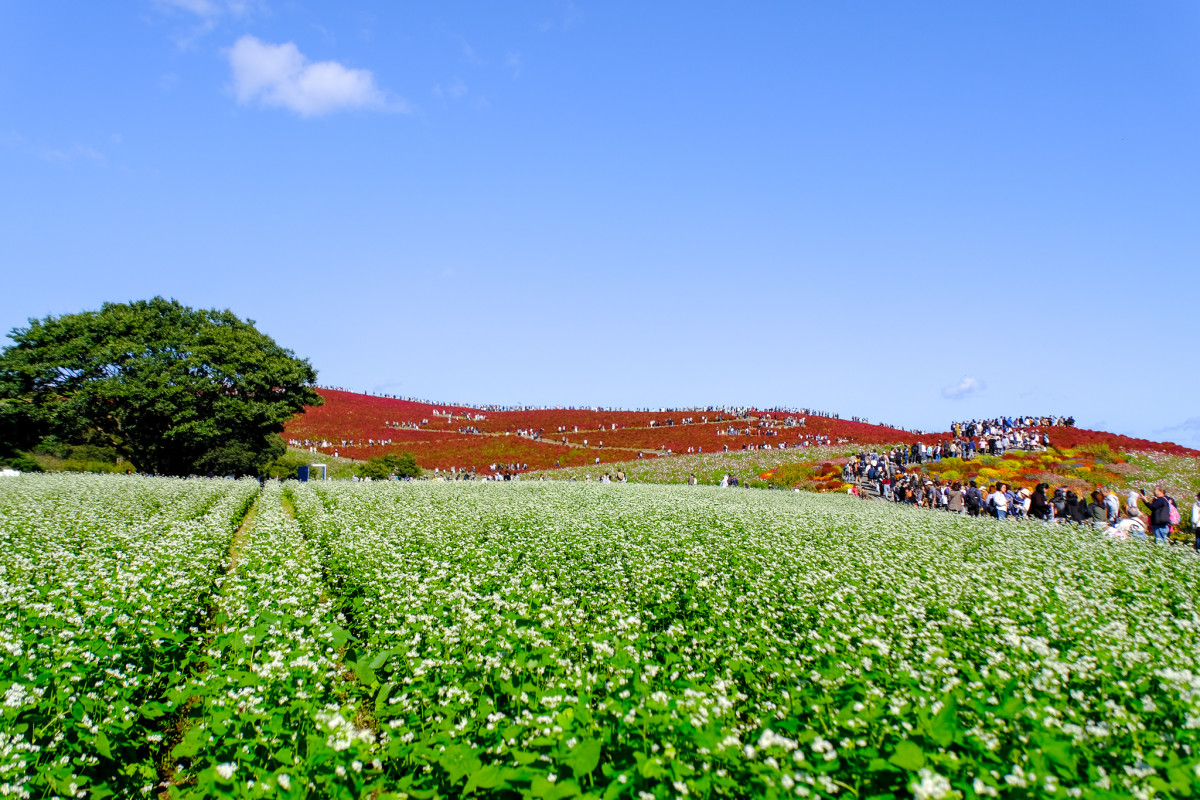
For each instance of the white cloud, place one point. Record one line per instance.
(279, 75)
(964, 388)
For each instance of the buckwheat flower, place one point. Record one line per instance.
(931, 786)
(226, 770)
(285, 780)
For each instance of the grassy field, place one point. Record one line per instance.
(554, 640)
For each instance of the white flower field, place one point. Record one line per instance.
(555, 640)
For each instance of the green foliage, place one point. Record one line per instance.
(20, 462)
(239, 458)
(172, 389)
(54, 455)
(286, 465)
(1100, 451)
(382, 467)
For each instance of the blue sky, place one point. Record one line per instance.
(910, 212)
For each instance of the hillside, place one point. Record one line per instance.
(361, 426)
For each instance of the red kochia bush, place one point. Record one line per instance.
(357, 417)
(1061, 437)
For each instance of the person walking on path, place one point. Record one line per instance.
(1160, 516)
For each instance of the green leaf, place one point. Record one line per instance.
(363, 671)
(1061, 751)
(191, 744)
(490, 777)
(379, 660)
(540, 787)
(584, 757)
(102, 745)
(945, 725)
(908, 756)
(339, 637)
(458, 761)
(381, 699)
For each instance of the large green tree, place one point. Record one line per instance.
(173, 389)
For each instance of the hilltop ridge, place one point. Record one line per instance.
(361, 426)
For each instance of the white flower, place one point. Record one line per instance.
(931, 786)
(984, 790)
(226, 770)
(285, 780)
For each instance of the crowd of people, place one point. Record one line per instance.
(312, 445)
(1138, 516)
(1003, 425)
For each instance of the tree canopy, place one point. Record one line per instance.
(174, 390)
(403, 465)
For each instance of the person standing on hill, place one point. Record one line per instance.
(955, 499)
(1039, 506)
(1160, 516)
(1073, 509)
(974, 500)
(1112, 507)
(999, 501)
(1097, 510)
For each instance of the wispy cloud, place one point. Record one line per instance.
(455, 89)
(211, 9)
(1185, 433)
(514, 63)
(200, 8)
(469, 52)
(280, 76)
(963, 389)
(568, 19)
(1189, 425)
(51, 154)
(203, 16)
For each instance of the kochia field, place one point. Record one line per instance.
(556, 640)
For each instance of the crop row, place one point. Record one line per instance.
(104, 585)
(268, 716)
